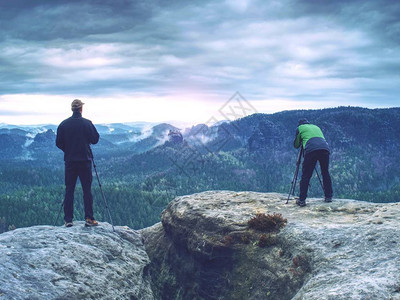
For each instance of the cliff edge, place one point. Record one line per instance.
(205, 249)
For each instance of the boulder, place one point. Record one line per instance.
(205, 249)
(47, 262)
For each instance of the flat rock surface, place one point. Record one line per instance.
(47, 262)
(352, 246)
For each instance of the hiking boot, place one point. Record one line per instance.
(91, 222)
(68, 224)
(301, 203)
(328, 199)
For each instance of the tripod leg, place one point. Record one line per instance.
(293, 186)
(102, 194)
(291, 191)
(62, 204)
(296, 173)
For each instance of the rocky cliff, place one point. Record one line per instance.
(46, 262)
(205, 248)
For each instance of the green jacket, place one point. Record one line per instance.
(311, 138)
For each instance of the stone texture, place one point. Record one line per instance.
(46, 262)
(204, 249)
(341, 250)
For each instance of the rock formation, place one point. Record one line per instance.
(175, 136)
(46, 262)
(204, 248)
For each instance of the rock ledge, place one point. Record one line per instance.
(346, 249)
(47, 262)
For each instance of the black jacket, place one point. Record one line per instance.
(74, 136)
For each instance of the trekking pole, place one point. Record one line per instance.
(62, 204)
(101, 190)
(296, 173)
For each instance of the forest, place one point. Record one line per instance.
(255, 153)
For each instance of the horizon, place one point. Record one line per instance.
(130, 60)
(186, 124)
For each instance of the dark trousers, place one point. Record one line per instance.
(73, 170)
(309, 163)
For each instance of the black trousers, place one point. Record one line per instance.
(309, 163)
(73, 170)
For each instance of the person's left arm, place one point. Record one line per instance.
(94, 135)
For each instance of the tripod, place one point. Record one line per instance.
(62, 204)
(101, 190)
(296, 174)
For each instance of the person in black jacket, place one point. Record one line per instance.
(311, 138)
(74, 136)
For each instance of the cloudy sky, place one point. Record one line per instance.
(183, 60)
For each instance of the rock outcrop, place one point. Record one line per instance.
(46, 262)
(204, 249)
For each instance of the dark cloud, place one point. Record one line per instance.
(266, 49)
(380, 19)
(48, 20)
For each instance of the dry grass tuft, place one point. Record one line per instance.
(267, 223)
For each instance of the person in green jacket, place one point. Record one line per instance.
(311, 138)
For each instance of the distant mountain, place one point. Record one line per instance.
(11, 145)
(344, 128)
(30, 142)
(143, 168)
(45, 138)
(14, 131)
(256, 152)
(152, 138)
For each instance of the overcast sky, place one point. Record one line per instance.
(182, 60)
